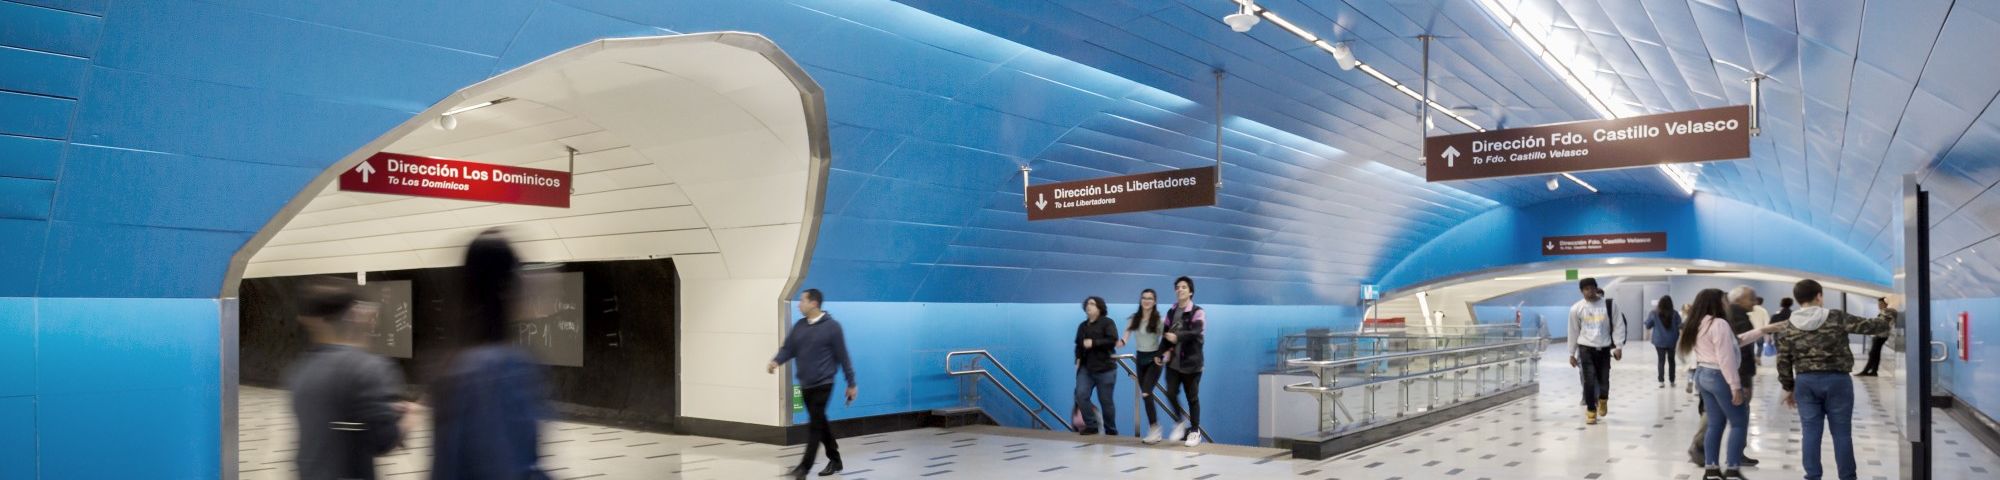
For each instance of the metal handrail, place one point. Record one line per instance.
(1154, 398)
(1307, 387)
(1033, 413)
(1327, 364)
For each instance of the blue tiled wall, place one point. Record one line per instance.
(1976, 382)
(109, 388)
(898, 350)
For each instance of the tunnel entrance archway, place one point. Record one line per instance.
(1455, 294)
(710, 149)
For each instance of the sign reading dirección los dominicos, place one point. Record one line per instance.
(399, 174)
(1678, 137)
(1194, 187)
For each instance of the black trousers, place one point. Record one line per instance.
(1666, 364)
(819, 430)
(1596, 374)
(1149, 377)
(1192, 382)
(1874, 354)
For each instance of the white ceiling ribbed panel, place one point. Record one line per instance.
(695, 150)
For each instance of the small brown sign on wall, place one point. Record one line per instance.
(1610, 243)
(1678, 137)
(1194, 187)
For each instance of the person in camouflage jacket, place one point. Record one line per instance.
(1813, 361)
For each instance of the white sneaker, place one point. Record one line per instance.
(1180, 428)
(1153, 436)
(1194, 439)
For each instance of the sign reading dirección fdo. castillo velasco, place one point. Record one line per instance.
(1677, 137)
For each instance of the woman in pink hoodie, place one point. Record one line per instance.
(1716, 353)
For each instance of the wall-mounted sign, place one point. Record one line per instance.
(1194, 187)
(1611, 243)
(399, 174)
(1678, 137)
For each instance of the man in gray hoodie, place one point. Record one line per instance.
(1813, 361)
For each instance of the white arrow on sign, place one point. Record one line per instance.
(1550, 246)
(365, 170)
(1450, 156)
(1041, 203)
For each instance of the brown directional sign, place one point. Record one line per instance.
(1194, 187)
(1611, 243)
(1678, 137)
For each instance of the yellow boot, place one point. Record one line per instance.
(1589, 417)
(1603, 407)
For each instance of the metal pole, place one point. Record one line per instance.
(1756, 102)
(572, 168)
(1423, 105)
(1025, 201)
(1218, 129)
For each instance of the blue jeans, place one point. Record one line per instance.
(1715, 394)
(1826, 398)
(1103, 382)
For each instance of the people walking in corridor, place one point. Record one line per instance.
(1144, 330)
(491, 398)
(1665, 324)
(1717, 352)
(346, 400)
(1593, 343)
(1185, 327)
(1875, 343)
(1813, 361)
(1096, 341)
(819, 347)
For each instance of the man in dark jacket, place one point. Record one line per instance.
(1186, 324)
(1096, 340)
(1813, 361)
(347, 401)
(820, 347)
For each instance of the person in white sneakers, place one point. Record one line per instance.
(1185, 325)
(1144, 332)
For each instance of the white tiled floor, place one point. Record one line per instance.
(1645, 437)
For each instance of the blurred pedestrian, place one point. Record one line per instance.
(347, 401)
(819, 346)
(491, 398)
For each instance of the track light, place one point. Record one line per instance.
(1243, 19)
(1345, 55)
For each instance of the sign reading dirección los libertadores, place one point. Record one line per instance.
(399, 174)
(1678, 137)
(1194, 187)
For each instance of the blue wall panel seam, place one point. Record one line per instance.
(350, 30)
(44, 7)
(40, 51)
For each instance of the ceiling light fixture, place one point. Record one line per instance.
(1555, 183)
(1244, 19)
(1246, 7)
(1579, 181)
(447, 122)
(1561, 69)
(477, 106)
(1342, 53)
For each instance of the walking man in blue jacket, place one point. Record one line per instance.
(820, 348)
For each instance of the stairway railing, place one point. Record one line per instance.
(1034, 413)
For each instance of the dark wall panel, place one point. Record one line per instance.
(630, 316)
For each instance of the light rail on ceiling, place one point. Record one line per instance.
(1341, 52)
(1561, 69)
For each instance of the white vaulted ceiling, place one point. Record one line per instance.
(696, 151)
